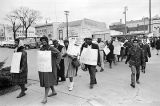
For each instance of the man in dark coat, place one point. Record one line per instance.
(92, 68)
(110, 56)
(60, 72)
(127, 45)
(146, 50)
(158, 45)
(136, 59)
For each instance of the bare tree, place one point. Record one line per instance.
(15, 24)
(27, 16)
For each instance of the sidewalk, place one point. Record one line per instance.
(35, 93)
(113, 89)
(80, 96)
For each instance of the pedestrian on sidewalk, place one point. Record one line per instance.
(92, 68)
(83, 66)
(60, 72)
(101, 47)
(49, 79)
(110, 56)
(136, 59)
(70, 70)
(146, 50)
(158, 45)
(21, 78)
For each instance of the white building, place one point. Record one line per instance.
(6, 32)
(140, 27)
(30, 32)
(80, 28)
(49, 30)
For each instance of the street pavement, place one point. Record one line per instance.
(113, 88)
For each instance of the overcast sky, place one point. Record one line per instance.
(107, 11)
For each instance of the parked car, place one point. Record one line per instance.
(31, 43)
(9, 44)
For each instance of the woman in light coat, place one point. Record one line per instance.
(70, 71)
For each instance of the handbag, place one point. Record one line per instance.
(83, 67)
(75, 63)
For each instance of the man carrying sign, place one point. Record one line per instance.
(92, 68)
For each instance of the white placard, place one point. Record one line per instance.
(73, 50)
(117, 47)
(106, 50)
(89, 56)
(117, 50)
(15, 64)
(44, 61)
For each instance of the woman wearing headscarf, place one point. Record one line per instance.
(21, 78)
(70, 71)
(49, 79)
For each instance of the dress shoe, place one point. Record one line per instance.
(91, 86)
(21, 95)
(132, 85)
(101, 70)
(52, 94)
(63, 79)
(44, 101)
(138, 82)
(71, 86)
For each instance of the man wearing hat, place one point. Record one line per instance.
(136, 59)
(92, 68)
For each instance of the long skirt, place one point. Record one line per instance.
(47, 79)
(19, 78)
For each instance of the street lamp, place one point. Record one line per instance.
(66, 13)
(149, 16)
(125, 14)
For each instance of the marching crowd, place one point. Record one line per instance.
(64, 65)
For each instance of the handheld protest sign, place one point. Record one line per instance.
(15, 64)
(44, 61)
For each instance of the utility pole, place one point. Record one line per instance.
(66, 13)
(150, 16)
(144, 25)
(125, 14)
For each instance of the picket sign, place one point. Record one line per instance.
(15, 64)
(117, 50)
(106, 50)
(89, 56)
(44, 61)
(73, 50)
(117, 47)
